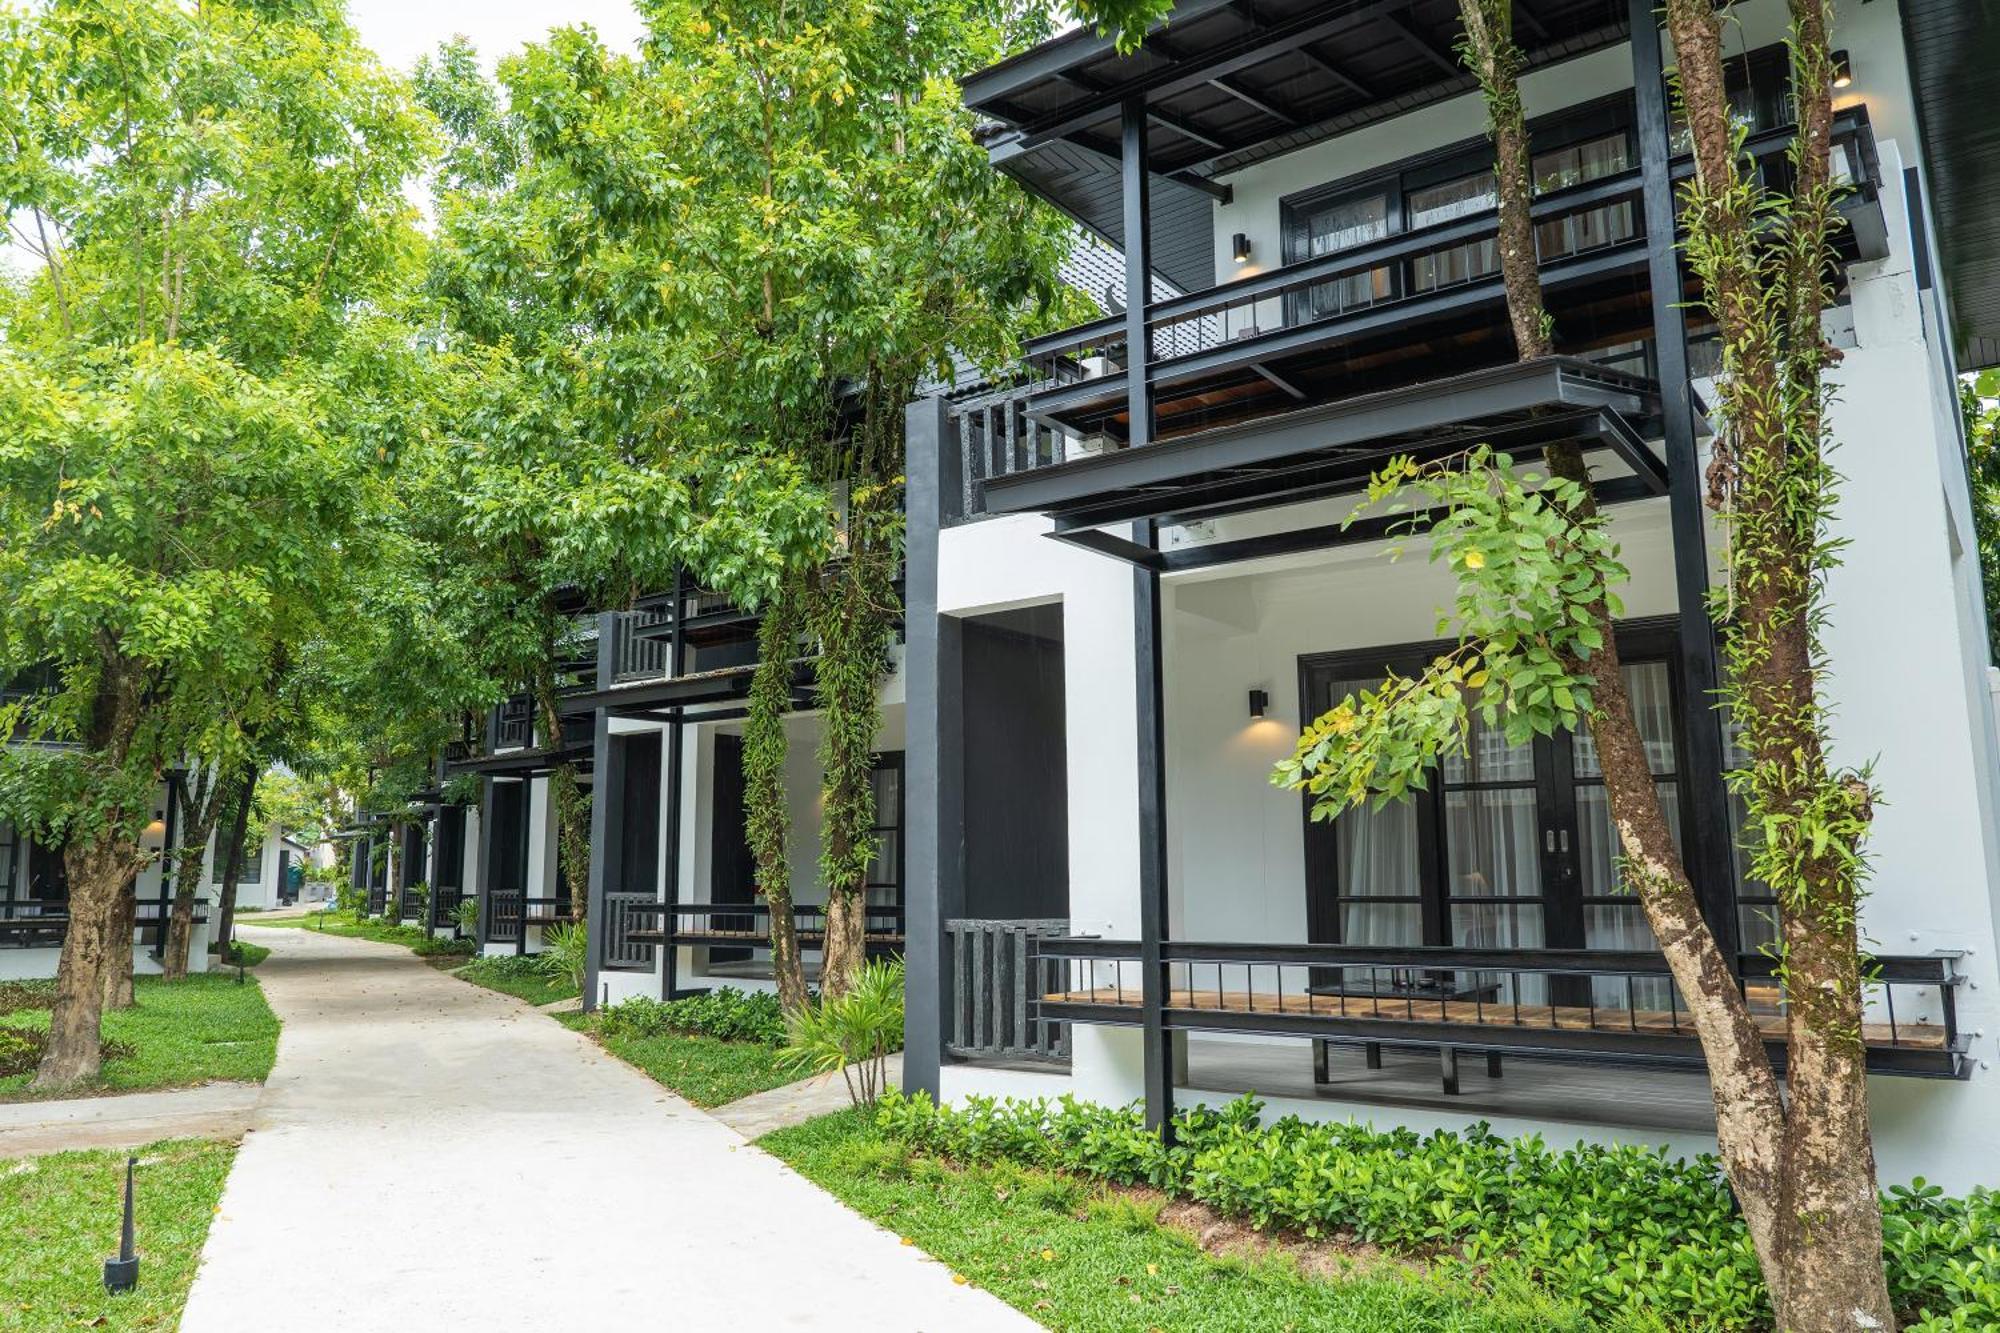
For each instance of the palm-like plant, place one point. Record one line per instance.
(853, 1033)
(565, 953)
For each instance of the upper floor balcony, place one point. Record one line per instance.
(1388, 277)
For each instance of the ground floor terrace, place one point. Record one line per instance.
(34, 897)
(674, 904)
(1112, 649)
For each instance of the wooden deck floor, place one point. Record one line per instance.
(1417, 1009)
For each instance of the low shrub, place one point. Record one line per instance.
(1618, 1229)
(852, 1034)
(21, 1049)
(725, 1013)
(565, 955)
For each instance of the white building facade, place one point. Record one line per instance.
(1125, 601)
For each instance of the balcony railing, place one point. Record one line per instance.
(621, 952)
(1614, 1007)
(995, 973)
(1074, 382)
(750, 924)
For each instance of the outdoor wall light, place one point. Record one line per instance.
(158, 828)
(1843, 73)
(1259, 701)
(1239, 246)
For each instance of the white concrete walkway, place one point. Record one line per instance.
(131, 1120)
(432, 1155)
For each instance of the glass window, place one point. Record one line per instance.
(1338, 225)
(1378, 883)
(1447, 202)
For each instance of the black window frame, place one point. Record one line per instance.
(1653, 639)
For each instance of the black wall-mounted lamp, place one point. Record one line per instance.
(1239, 246)
(1843, 72)
(1259, 701)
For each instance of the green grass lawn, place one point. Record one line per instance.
(1076, 1258)
(519, 976)
(196, 1030)
(705, 1070)
(60, 1216)
(414, 938)
(252, 955)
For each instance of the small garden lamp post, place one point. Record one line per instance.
(122, 1273)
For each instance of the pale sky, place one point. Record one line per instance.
(402, 30)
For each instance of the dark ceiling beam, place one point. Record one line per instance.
(1220, 61)
(1422, 44)
(1261, 104)
(1336, 73)
(1187, 129)
(1525, 15)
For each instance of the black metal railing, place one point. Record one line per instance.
(1619, 1007)
(514, 723)
(503, 917)
(640, 648)
(444, 907)
(1583, 230)
(995, 977)
(621, 952)
(33, 924)
(750, 924)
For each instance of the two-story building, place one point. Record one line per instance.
(1130, 583)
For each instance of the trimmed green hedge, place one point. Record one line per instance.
(727, 1013)
(1614, 1228)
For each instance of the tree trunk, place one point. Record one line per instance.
(116, 980)
(1775, 484)
(98, 876)
(852, 612)
(199, 810)
(764, 797)
(1788, 1193)
(243, 793)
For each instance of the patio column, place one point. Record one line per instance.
(1150, 758)
(1706, 845)
(482, 882)
(1137, 193)
(933, 744)
(670, 956)
(607, 814)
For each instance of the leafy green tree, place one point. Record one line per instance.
(702, 283)
(213, 192)
(1979, 400)
(1536, 574)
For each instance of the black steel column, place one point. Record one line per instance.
(670, 955)
(1138, 208)
(933, 737)
(1707, 845)
(482, 879)
(607, 814)
(1151, 755)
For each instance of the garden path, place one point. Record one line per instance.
(126, 1120)
(434, 1155)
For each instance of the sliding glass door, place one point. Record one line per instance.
(1512, 847)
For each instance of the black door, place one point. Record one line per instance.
(1512, 847)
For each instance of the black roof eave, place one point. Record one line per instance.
(1163, 478)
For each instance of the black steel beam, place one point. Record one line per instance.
(1182, 559)
(1262, 105)
(1111, 544)
(1422, 44)
(1136, 192)
(1708, 854)
(607, 814)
